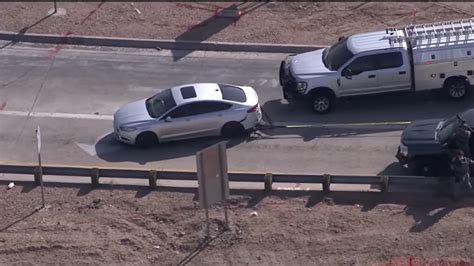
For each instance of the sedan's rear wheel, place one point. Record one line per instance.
(146, 139)
(232, 130)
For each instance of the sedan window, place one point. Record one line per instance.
(160, 103)
(210, 107)
(182, 111)
(232, 93)
(198, 108)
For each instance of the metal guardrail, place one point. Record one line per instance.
(267, 178)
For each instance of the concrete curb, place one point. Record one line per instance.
(163, 44)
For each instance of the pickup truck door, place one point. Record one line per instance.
(359, 76)
(393, 72)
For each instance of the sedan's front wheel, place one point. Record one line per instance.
(146, 139)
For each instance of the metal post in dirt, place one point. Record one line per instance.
(204, 198)
(40, 169)
(55, 7)
(223, 171)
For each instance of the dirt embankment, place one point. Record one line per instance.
(132, 225)
(266, 22)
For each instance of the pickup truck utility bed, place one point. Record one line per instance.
(412, 58)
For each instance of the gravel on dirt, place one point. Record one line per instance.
(118, 224)
(317, 23)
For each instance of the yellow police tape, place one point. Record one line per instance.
(348, 124)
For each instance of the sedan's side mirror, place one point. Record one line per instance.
(168, 119)
(347, 73)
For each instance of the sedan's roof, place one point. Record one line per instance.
(196, 92)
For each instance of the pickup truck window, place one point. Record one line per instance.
(390, 60)
(337, 55)
(448, 127)
(362, 64)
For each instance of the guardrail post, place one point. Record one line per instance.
(326, 183)
(384, 184)
(95, 177)
(38, 175)
(153, 176)
(268, 181)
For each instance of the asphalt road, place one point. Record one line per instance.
(73, 95)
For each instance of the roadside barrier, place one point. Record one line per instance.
(267, 179)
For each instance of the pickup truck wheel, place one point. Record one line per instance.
(457, 88)
(425, 167)
(322, 102)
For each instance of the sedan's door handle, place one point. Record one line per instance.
(371, 76)
(402, 72)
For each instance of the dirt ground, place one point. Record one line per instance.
(268, 22)
(132, 225)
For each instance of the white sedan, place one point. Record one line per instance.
(188, 111)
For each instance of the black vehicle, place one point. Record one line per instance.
(424, 144)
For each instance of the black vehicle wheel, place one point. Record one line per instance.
(457, 88)
(146, 139)
(425, 167)
(232, 130)
(322, 102)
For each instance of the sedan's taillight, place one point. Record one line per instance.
(253, 109)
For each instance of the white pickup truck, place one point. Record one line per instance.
(413, 58)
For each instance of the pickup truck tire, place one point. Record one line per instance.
(321, 102)
(425, 166)
(456, 88)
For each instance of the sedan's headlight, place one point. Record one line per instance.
(301, 86)
(403, 150)
(128, 129)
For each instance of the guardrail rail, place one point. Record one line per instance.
(384, 181)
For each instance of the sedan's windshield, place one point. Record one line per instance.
(337, 55)
(159, 104)
(448, 127)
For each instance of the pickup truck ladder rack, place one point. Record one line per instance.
(433, 32)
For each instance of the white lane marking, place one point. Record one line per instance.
(58, 115)
(104, 148)
(275, 83)
(144, 89)
(89, 149)
(262, 81)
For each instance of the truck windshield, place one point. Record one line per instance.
(336, 55)
(448, 127)
(160, 103)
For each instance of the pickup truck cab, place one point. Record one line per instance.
(394, 60)
(424, 143)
